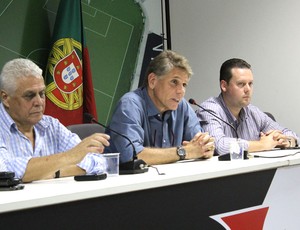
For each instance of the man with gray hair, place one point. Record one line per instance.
(33, 145)
(157, 119)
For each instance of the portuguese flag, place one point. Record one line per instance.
(69, 86)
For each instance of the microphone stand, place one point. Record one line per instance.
(135, 166)
(193, 102)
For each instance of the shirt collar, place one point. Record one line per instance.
(151, 108)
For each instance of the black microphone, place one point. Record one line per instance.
(132, 167)
(224, 157)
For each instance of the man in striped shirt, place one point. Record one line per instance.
(33, 145)
(255, 130)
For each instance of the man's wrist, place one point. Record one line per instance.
(292, 142)
(57, 174)
(181, 152)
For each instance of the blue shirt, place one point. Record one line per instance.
(250, 123)
(137, 118)
(16, 149)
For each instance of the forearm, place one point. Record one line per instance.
(41, 167)
(255, 146)
(265, 143)
(155, 156)
(71, 170)
(193, 150)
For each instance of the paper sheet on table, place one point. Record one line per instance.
(275, 153)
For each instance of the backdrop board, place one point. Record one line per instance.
(263, 32)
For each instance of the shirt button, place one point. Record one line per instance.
(164, 141)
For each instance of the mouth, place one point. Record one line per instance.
(176, 100)
(37, 112)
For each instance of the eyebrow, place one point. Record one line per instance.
(34, 92)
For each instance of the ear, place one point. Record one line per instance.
(223, 85)
(152, 79)
(4, 98)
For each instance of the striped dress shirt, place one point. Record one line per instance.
(250, 123)
(51, 137)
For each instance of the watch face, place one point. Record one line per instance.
(181, 152)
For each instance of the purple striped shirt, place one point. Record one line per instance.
(251, 122)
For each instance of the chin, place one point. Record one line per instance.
(36, 118)
(247, 103)
(173, 107)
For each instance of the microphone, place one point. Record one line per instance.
(224, 157)
(132, 167)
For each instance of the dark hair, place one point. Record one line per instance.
(165, 62)
(227, 66)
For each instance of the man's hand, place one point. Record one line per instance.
(201, 146)
(275, 138)
(92, 144)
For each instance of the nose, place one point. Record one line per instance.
(38, 100)
(247, 88)
(181, 89)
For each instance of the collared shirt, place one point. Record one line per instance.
(16, 149)
(137, 118)
(251, 122)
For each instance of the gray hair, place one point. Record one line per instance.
(15, 69)
(165, 62)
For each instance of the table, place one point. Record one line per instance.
(201, 194)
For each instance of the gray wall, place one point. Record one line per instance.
(266, 33)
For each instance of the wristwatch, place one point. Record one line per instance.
(181, 152)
